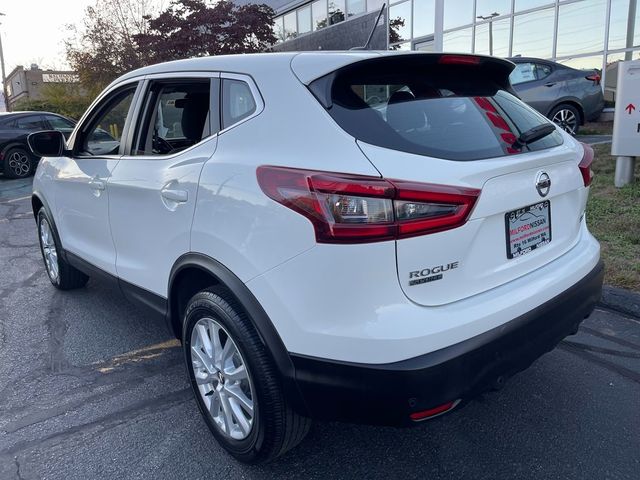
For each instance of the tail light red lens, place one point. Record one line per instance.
(346, 208)
(595, 78)
(585, 165)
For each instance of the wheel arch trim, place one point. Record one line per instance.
(255, 313)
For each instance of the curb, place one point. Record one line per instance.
(621, 300)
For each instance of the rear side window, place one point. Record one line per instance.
(450, 112)
(34, 122)
(237, 101)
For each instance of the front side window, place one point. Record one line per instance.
(237, 101)
(33, 122)
(175, 117)
(103, 132)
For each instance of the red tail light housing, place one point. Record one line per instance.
(345, 208)
(594, 77)
(585, 165)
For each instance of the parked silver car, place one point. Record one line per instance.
(567, 96)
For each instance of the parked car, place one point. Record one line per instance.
(320, 256)
(567, 96)
(15, 159)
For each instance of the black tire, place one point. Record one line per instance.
(567, 117)
(276, 428)
(68, 277)
(18, 163)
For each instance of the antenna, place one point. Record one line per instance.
(375, 25)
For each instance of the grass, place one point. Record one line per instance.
(613, 216)
(596, 128)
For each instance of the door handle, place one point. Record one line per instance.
(549, 84)
(97, 184)
(178, 196)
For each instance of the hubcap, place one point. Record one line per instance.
(222, 378)
(567, 120)
(19, 164)
(49, 250)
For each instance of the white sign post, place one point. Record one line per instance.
(626, 122)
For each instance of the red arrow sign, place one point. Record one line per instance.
(630, 108)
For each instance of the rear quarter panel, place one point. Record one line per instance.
(235, 222)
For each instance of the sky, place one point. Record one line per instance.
(33, 31)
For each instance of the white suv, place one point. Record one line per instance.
(362, 236)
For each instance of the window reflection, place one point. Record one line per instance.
(355, 7)
(336, 11)
(457, 41)
(533, 34)
(485, 8)
(400, 22)
(375, 5)
(457, 13)
(424, 18)
(580, 27)
(619, 23)
(527, 4)
(500, 36)
(290, 30)
(319, 14)
(278, 29)
(304, 19)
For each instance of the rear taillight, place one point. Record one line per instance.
(346, 208)
(585, 165)
(594, 77)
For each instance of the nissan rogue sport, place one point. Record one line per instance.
(370, 237)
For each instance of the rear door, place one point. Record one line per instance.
(153, 189)
(431, 125)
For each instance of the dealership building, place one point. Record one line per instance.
(578, 33)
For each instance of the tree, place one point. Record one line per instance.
(64, 98)
(193, 28)
(104, 48)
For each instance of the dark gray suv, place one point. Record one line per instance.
(567, 96)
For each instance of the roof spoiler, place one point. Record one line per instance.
(469, 75)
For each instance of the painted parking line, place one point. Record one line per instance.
(13, 200)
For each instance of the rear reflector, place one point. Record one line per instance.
(346, 208)
(585, 165)
(432, 412)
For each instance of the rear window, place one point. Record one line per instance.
(456, 112)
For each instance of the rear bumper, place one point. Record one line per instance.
(387, 394)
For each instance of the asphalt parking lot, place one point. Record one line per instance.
(90, 387)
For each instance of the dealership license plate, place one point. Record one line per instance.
(528, 228)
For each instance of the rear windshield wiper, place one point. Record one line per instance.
(534, 134)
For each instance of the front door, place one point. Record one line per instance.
(153, 188)
(81, 196)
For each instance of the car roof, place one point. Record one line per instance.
(306, 65)
(22, 113)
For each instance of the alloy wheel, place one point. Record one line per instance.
(19, 163)
(49, 250)
(567, 120)
(223, 379)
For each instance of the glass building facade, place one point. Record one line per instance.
(593, 34)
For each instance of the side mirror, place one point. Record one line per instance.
(49, 143)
